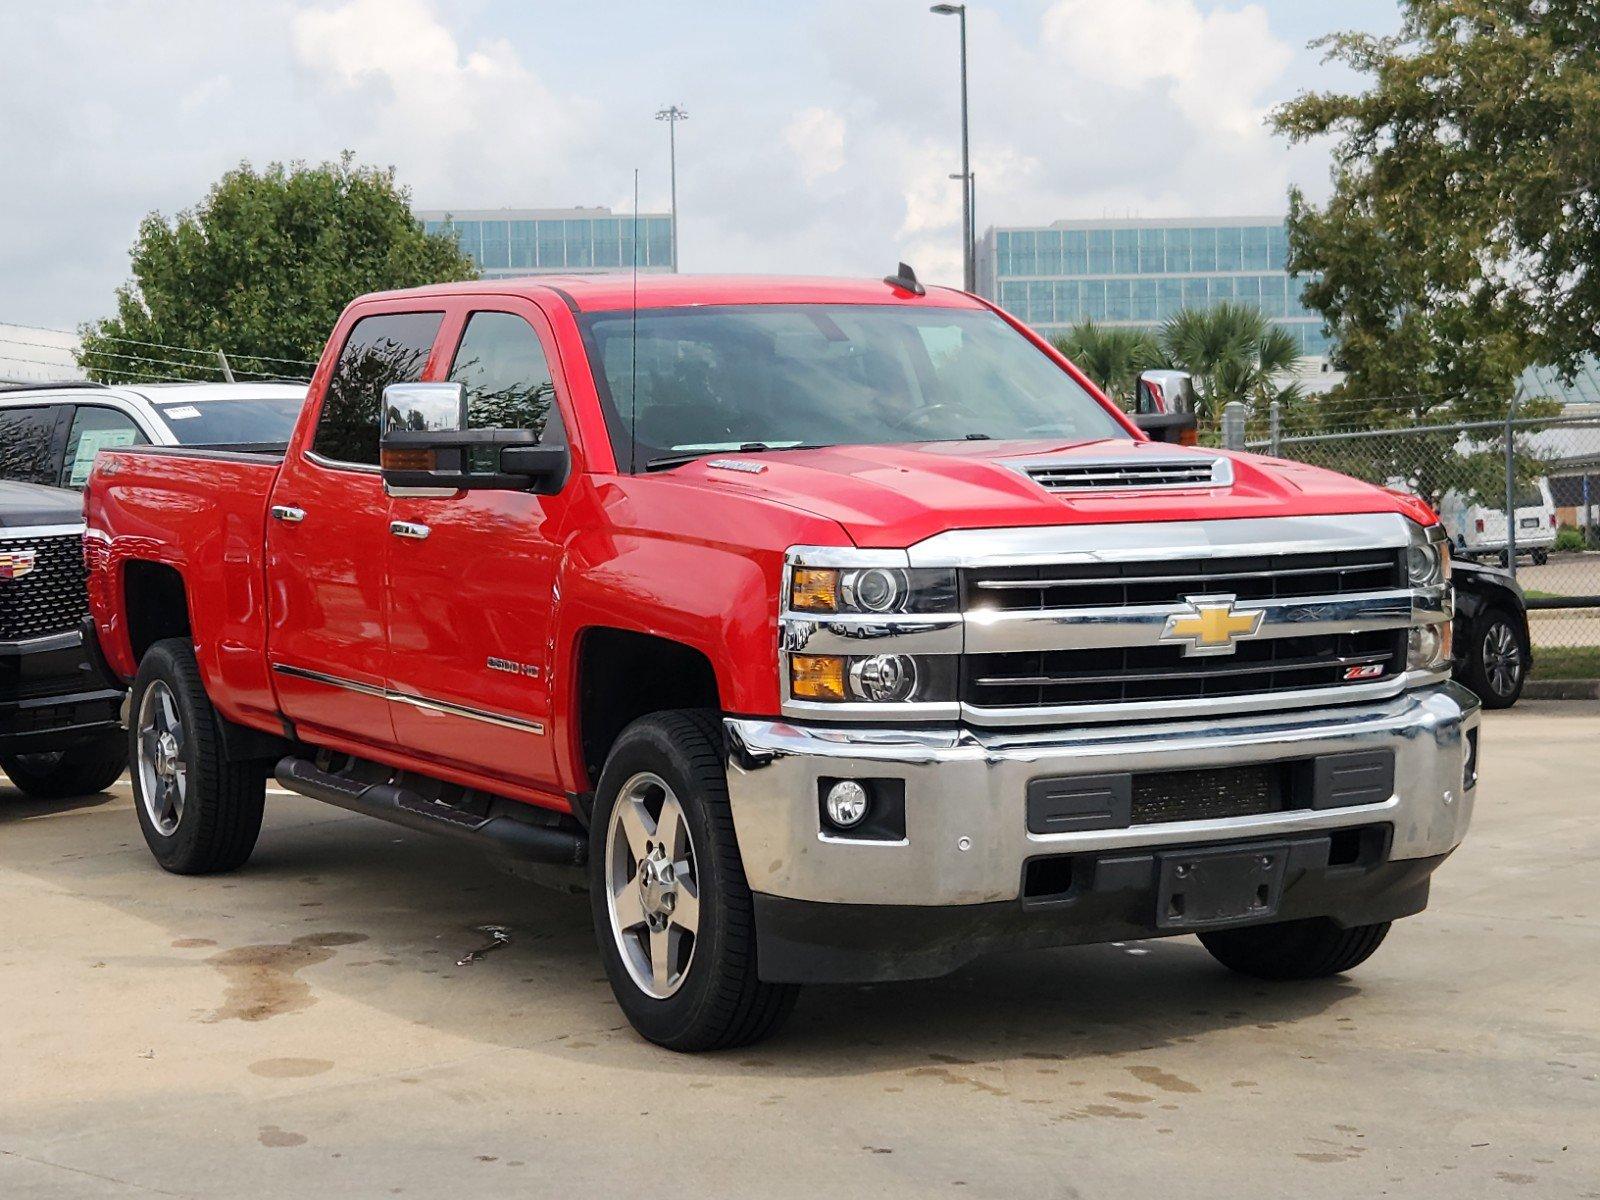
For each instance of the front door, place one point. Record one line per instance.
(472, 576)
(328, 539)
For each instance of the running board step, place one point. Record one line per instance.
(401, 806)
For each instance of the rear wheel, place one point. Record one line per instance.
(672, 911)
(1310, 949)
(1540, 557)
(1497, 659)
(200, 811)
(80, 771)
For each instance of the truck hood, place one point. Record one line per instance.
(897, 495)
(30, 504)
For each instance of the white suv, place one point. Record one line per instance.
(50, 432)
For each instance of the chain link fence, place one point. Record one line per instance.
(1523, 494)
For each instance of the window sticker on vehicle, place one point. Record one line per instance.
(184, 412)
(91, 443)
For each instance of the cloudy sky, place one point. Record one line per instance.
(820, 137)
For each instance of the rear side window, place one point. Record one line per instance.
(93, 430)
(391, 348)
(26, 435)
(506, 376)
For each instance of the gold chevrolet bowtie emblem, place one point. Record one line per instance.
(1212, 626)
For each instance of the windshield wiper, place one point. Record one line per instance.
(667, 462)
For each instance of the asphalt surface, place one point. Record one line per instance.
(305, 1028)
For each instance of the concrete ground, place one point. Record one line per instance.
(306, 1028)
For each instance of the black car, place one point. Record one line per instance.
(1493, 651)
(59, 708)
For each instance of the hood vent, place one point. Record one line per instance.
(1130, 473)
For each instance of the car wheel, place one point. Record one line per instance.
(1497, 659)
(672, 911)
(1540, 557)
(80, 771)
(1309, 949)
(200, 811)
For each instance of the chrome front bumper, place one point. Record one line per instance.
(967, 838)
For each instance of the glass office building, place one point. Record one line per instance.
(1137, 273)
(568, 241)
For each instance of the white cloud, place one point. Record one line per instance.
(816, 135)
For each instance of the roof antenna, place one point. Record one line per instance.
(633, 343)
(906, 280)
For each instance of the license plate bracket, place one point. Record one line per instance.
(1225, 886)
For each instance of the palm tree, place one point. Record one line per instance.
(1234, 353)
(1112, 358)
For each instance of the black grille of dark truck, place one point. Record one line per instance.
(1118, 585)
(50, 598)
(1051, 678)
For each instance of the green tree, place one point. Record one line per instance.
(1112, 358)
(261, 268)
(1234, 353)
(1462, 240)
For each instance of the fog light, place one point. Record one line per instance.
(884, 678)
(847, 803)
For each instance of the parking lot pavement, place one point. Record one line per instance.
(304, 1028)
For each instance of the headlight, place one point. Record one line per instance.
(871, 591)
(1428, 647)
(1427, 565)
(872, 678)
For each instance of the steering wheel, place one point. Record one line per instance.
(917, 420)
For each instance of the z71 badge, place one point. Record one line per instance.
(527, 670)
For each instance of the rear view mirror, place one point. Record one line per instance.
(1164, 407)
(426, 447)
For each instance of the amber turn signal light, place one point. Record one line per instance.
(406, 460)
(816, 677)
(812, 589)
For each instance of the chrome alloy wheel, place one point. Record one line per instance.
(652, 885)
(163, 763)
(1502, 658)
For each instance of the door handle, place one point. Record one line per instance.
(409, 529)
(289, 513)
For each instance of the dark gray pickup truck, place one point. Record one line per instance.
(59, 732)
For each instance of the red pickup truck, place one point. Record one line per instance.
(842, 631)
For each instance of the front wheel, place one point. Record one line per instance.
(1497, 660)
(672, 911)
(1308, 949)
(80, 771)
(1540, 557)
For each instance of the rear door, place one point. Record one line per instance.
(31, 442)
(472, 574)
(328, 538)
(93, 428)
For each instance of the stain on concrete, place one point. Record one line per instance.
(1164, 1080)
(945, 1075)
(275, 1138)
(263, 981)
(193, 943)
(1515, 1177)
(1129, 1097)
(290, 1068)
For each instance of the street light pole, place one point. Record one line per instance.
(968, 259)
(672, 115)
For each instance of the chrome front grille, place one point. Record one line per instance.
(52, 596)
(1102, 585)
(1134, 472)
(1145, 674)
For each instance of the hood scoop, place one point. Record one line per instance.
(1130, 472)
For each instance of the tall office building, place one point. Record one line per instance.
(1137, 273)
(546, 241)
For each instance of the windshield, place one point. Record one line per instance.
(247, 421)
(776, 376)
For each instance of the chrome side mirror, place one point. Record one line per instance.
(1164, 407)
(425, 447)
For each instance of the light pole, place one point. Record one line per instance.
(968, 265)
(672, 115)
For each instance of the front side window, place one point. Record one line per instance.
(701, 380)
(25, 438)
(506, 376)
(95, 429)
(384, 349)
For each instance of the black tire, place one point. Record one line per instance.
(1498, 645)
(720, 1002)
(1540, 557)
(80, 771)
(1310, 949)
(220, 816)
